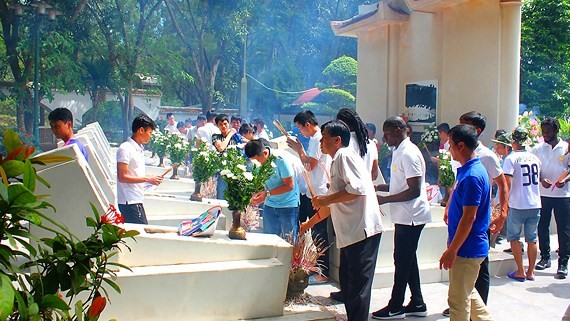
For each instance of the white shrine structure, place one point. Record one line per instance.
(469, 50)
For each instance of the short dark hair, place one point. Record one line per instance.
(394, 122)
(253, 148)
(259, 121)
(443, 127)
(337, 128)
(221, 118)
(235, 118)
(475, 118)
(201, 117)
(466, 134)
(169, 114)
(180, 124)
(62, 114)
(499, 132)
(552, 122)
(246, 128)
(142, 120)
(306, 116)
(372, 127)
(210, 115)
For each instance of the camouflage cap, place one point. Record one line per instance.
(520, 135)
(504, 139)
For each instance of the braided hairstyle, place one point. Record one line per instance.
(355, 124)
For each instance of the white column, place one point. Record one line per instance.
(393, 70)
(509, 80)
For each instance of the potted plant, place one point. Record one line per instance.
(206, 164)
(446, 175)
(242, 184)
(159, 143)
(430, 139)
(177, 150)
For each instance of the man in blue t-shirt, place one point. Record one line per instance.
(61, 123)
(281, 194)
(468, 220)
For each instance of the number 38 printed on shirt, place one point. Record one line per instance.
(530, 174)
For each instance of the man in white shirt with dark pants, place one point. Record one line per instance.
(356, 218)
(410, 211)
(131, 175)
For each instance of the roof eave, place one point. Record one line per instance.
(382, 16)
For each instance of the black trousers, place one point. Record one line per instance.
(483, 282)
(356, 273)
(406, 238)
(561, 207)
(319, 231)
(133, 213)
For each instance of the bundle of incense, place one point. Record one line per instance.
(280, 127)
(560, 178)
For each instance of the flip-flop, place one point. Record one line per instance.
(530, 279)
(514, 277)
(313, 280)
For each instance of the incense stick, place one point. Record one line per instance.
(280, 127)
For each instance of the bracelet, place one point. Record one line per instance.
(268, 193)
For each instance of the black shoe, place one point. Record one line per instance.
(386, 314)
(562, 271)
(337, 296)
(543, 264)
(445, 313)
(416, 310)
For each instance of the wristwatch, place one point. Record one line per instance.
(268, 193)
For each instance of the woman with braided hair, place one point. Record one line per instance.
(359, 140)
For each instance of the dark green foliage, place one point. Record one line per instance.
(545, 55)
(336, 99)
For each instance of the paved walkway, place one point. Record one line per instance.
(545, 299)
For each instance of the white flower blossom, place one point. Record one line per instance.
(242, 167)
(255, 163)
(443, 167)
(225, 172)
(248, 176)
(178, 146)
(204, 154)
(224, 162)
(273, 165)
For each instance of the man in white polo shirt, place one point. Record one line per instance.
(206, 132)
(131, 171)
(554, 194)
(410, 211)
(317, 164)
(355, 216)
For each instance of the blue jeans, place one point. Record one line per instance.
(281, 220)
(517, 219)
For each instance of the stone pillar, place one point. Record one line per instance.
(393, 82)
(509, 79)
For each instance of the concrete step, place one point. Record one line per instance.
(169, 248)
(289, 315)
(230, 290)
(500, 264)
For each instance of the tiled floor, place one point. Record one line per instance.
(545, 299)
